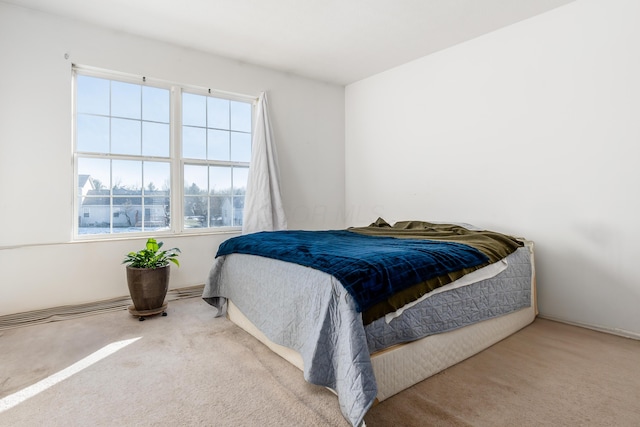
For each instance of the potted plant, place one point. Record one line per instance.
(148, 278)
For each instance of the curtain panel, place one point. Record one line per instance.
(263, 210)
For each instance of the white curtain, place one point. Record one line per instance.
(263, 209)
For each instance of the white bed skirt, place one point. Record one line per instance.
(404, 365)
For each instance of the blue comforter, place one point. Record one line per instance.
(371, 268)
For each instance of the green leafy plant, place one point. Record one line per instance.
(152, 256)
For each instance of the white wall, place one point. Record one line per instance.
(531, 130)
(39, 267)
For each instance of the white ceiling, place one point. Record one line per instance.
(338, 41)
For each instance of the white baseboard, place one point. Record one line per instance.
(55, 314)
(613, 331)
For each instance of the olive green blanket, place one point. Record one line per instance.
(494, 245)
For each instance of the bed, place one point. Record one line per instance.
(369, 342)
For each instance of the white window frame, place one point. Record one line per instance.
(176, 161)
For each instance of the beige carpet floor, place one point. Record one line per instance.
(191, 369)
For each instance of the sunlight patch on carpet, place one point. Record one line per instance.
(18, 397)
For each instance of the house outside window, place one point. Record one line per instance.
(154, 157)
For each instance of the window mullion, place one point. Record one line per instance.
(177, 164)
(110, 196)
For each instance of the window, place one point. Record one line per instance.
(147, 150)
(216, 145)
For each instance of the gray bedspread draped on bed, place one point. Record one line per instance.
(311, 312)
(308, 311)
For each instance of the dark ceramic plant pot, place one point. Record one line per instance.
(148, 287)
